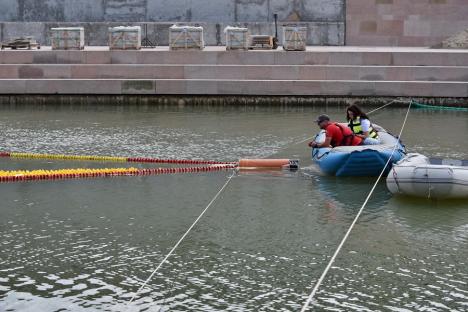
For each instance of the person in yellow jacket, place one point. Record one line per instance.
(361, 125)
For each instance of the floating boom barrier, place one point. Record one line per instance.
(112, 159)
(207, 166)
(24, 175)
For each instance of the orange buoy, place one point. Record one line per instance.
(268, 163)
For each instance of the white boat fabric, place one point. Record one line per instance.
(415, 175)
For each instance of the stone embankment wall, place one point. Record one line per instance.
(404, 22)
(324, 18)
(329, 22)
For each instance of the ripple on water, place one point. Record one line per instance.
(88, 245)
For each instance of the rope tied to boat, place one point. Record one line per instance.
(327, 268)
(182, 238)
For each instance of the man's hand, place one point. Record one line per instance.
(313, 144)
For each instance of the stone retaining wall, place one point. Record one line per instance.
(403, 22)
(324, 18)
(329, 22)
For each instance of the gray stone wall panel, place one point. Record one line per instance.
(40, 11)
(160, 11)
(8, 10)
(220, 11)
(212, 11)
(84, 10)
(323, 10)
(252, 10)
(125, 10)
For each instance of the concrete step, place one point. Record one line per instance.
(235, 87)
(388, 56)
(238, 72)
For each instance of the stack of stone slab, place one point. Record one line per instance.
(67, 38)
(186, 38)
(237, 38)
(294, 38)
(125, 38)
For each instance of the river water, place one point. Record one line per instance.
(89, 244)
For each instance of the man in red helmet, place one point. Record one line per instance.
(336, 134)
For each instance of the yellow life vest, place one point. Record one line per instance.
(355, 126)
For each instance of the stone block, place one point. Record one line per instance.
(191, 57)
(345, 58)
(420, 59)
(199, 72)
(9, 71)
(241, 57)
(97, 57)
(388, 88)
(333, 87)
(342, 73)
(261, 73)
(416, 28)
(16, 57)
(415, 88)
(305, 87)
(58, 71)
(317, 58)
(290, 58)
(347, 87)
(170, 86)
(138, 86)
(368, 27)
(356, 8)
(123, 57)
(70, 57)
(161, 71)
(400, 73)
(450, 89)
(390, 28)
(85, 71)
(370, 73)
(231, 72)
(12, 86)
(196, 86)
(313, 72)
(44, 57)
(376, 58)
(84, 86)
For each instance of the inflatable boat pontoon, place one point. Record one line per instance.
(417, 175)
(361, 160)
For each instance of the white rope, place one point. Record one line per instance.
(309, 299)
(374, 110)
(180, 240)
